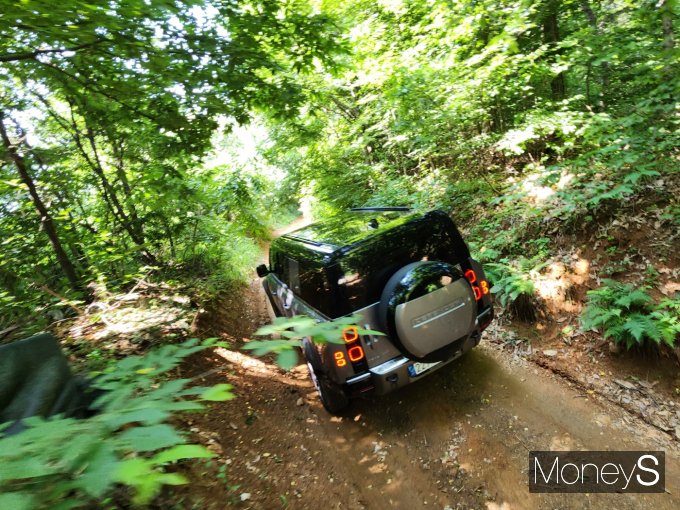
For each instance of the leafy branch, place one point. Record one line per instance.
(68, 463)
(288, 334)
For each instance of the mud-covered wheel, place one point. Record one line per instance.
(332, 395)
(428, 309)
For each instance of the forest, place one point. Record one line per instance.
(158, 144)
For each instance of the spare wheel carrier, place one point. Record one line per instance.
(426, 307)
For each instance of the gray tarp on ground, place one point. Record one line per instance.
(35, 380)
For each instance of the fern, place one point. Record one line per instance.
(628, 315)
(635, 298)
(512, 278)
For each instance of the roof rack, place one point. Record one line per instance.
(380, 209)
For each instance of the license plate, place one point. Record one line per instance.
(418, 368)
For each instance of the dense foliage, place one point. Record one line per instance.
(539, 110)
(107, 111)
(68, 463)
(522, 118)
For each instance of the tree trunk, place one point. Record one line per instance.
(667, 24)
(604, 66)
(551, 36)
(45, 218)
(127, 190)
(136, 234)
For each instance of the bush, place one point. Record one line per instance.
(513, 287)
(628, 315)
(67, 463)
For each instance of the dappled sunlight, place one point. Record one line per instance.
(491, 505)
(125, 321)
(536, 192)
(555, 283)
(258, 368)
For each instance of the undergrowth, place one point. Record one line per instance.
(628, 315)
(64, 463)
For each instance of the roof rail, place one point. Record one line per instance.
(380, 209)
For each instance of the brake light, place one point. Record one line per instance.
(471, 276)
(479, 290)
(350, 334)
(340, 359)
(478, 293)
(356, 353)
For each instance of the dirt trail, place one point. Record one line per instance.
(457, 439)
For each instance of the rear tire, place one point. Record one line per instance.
(332, 396)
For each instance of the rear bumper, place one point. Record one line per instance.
(394, 374)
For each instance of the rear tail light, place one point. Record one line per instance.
(480, 290)
(471, 276)
(350, 334)
(340, 359)
(355, 353)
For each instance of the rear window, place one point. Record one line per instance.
(364, 272)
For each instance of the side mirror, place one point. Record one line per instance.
(262, 270)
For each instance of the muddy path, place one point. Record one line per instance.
(457, 439)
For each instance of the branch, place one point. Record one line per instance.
(31, 55)
(92, 88)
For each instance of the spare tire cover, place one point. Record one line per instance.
(425, 307)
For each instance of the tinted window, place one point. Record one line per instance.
(314, 287)
(292, 275)
(367, 268)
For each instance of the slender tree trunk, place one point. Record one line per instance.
(134, 230)
(667, 23)
(45, 218)
(108, 193)
(551, 36)
(127, 190)
(604, 66)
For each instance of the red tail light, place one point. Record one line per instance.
(479, 290)
(471, 276)
(356, 353)
(350, 334)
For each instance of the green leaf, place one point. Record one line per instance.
(634, 297)
(131, 471)
(147, 439)
(24, 467)
(17, 501)
(149, 416)
(218, 393)
(186, 451)
(287, 359)
(99, 472)
(635, 327)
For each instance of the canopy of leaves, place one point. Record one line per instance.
(108, 110)
(451, 104)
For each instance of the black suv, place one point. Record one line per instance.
(407, 274)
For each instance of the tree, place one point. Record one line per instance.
(46, 221)
(122, 98)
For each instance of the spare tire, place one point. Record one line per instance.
(428, 309)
